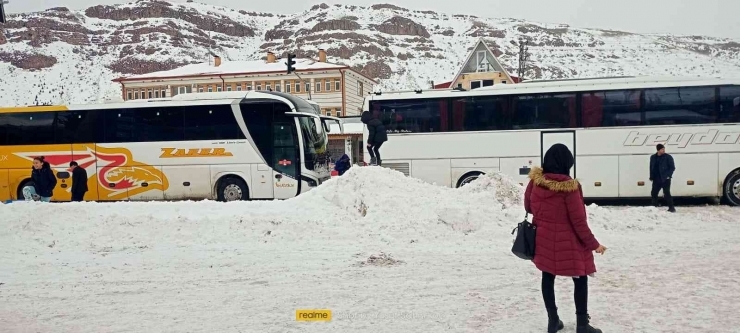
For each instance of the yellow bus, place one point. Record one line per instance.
(226, 146)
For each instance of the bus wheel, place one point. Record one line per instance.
(468, 178)
(232, 189)
(20, 189)
(732, 188)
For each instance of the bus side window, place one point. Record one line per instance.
(28, 128)
(729, 104)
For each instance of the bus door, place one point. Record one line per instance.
(550, 138)
(275, 136)
(286, 155)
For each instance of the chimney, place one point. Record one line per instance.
(322, 55)
(216, 60)
(271, 57)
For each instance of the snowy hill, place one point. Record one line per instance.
(63, 56)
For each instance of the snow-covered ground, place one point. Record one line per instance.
(246, 267)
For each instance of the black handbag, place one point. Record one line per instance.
(526, 233)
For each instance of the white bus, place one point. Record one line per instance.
(611, 125)
(226, 146)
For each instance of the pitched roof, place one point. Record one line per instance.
(235, 68)
(470, 56)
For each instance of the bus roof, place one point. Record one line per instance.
(559, 86)
(181, 99)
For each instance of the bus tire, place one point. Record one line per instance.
(232, 188)
(23, 184)
(732, 188)
(468, 178)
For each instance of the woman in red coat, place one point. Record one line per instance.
(564, 244)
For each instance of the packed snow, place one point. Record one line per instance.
(383, 252)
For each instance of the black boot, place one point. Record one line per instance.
(656, 203)
(554, 323)
(583, 326)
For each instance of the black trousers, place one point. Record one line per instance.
(78, 196)
(374, 152)
(666, 187)
(580, 294)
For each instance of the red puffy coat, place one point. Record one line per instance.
(564, 244)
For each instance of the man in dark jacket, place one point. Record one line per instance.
(79, 181)
(376, 135)
(661, 173)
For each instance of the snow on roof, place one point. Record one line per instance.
(235, 67)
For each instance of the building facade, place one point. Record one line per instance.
(338, 89)
(481, 68)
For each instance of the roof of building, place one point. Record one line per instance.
(470, 56)
(235, 68)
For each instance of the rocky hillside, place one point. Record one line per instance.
(64, 56)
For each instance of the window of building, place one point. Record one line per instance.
(339, 112)
(278, 87)
(151, 93)
(200, 89)
(487, 83)
(259, 86)
(156, 94)
(136, 94)
(228, 88)
(249, 86)
(210, 88)
(219, 88)
(360, 88)
(482, 61)
(337, 85)
(308, 86)
(475, 84)
(298, 87)
(328, 85)
(318, 86)
(503, 82)
(268, 86)
(163, 93)
(129, 95)
(238, 87)
(288, 87)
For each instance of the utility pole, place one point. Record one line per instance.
(2, 10)
(523, 57)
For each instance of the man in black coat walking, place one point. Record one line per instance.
(79, 181)
(661, 172)
(376, 135)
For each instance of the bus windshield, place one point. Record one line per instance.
(315, 139)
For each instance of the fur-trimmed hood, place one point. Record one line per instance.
(562, 184)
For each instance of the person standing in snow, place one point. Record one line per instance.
(43, 179)
(376, 135)
(661, 172)
(564, 242)
(342, 165)
(79, 181)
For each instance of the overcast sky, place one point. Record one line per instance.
(720, 18)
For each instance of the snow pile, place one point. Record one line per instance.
(384, 200)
